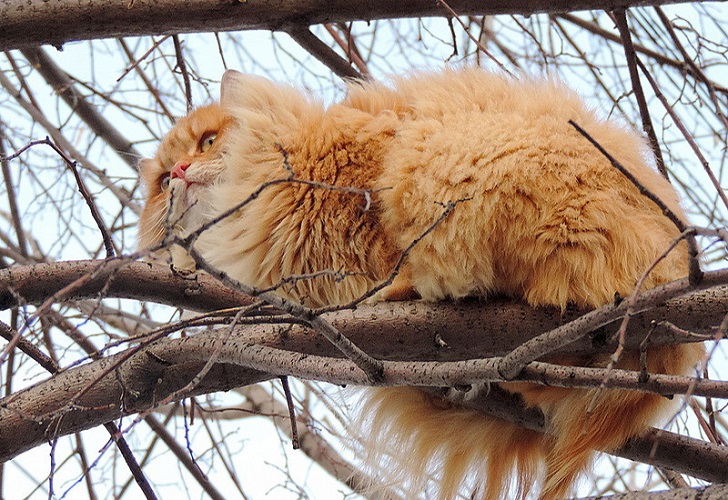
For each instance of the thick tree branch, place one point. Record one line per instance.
(55, 407)
(35, 22)
(717, 492)
(133, 387)
(413, 326)
(321, 51)
(133, 280)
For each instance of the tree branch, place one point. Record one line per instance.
(51, 408)
(411, 325)
(321, 51)
(35, 22)
(716, 492)
(133, 280)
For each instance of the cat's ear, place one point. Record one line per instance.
(248, 91)
(145, 164)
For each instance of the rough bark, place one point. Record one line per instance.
(717, 492)
(90, 279)
(35, 22)
(412, 326)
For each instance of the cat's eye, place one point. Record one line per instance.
(164, 183)
(207, 141)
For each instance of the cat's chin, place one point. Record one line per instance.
(190, 205)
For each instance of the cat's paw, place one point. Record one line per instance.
(400, 289)
(182, 263)
(465, 394)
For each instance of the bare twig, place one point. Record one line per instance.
(63, 85)
(128, 455)
(35, 113)
(688, 137)
(475, 40)
(693, 68)
(447, 209)
(659, 57)
(12, 200)
(12, 336)
(295, 443)
(513, 363)
(620, 17)
(105, 235)
(622, 333)
(182, 67)
(370, 366)
(348, 46)
(147, 82)
(181, 455)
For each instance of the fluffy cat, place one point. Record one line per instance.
(541, 216)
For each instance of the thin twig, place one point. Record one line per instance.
(475, 40)
(659, 57)
(37, 116)
(693, 68)
(91, 116)
(11, 335)
(71, 164)
(182, 66)
(620, 18)
(81, 452)
(135, 62)
(147, 82)
(349, 47)
(131, 462)
(12, 199)
(370, 366)
(688, 137)
(514, 362)
(622, 332)
(295, 443)
(447, 209)
(161, 431)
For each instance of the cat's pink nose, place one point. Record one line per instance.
(178, 171)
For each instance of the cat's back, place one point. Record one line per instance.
(420, 96)
(541, 212)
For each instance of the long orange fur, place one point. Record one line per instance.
(541, 215)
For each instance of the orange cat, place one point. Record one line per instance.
(542, 216)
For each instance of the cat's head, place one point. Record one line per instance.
(188, 161)
(252, 110)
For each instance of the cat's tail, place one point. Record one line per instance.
(431, 449)
(423, 444)
(582, 421)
